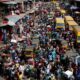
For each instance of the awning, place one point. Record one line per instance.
(11, 23)
(13, 18)
(10, 2)
(22, 15)
(4, 0)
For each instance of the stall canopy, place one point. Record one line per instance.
(22, 15)
(11, 23)
(4, 0)
(13, 18)
(10, 2)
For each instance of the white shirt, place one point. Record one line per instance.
(21, 68)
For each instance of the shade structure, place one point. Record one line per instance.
(22, 15)
(10, 2)
(13, 18)
(11, 23)
(4, 0)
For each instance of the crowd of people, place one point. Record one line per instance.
(49, 62)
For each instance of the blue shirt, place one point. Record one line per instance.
(54, 55)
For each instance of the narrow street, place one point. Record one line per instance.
(37, 40)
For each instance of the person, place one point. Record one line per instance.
(50, 57)
(38, 73)
(22, 68)
(4, 36)
(13, 53)
(58, 72)
(78, 73)
(20, 76)
(54, 54)
(1, 68)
